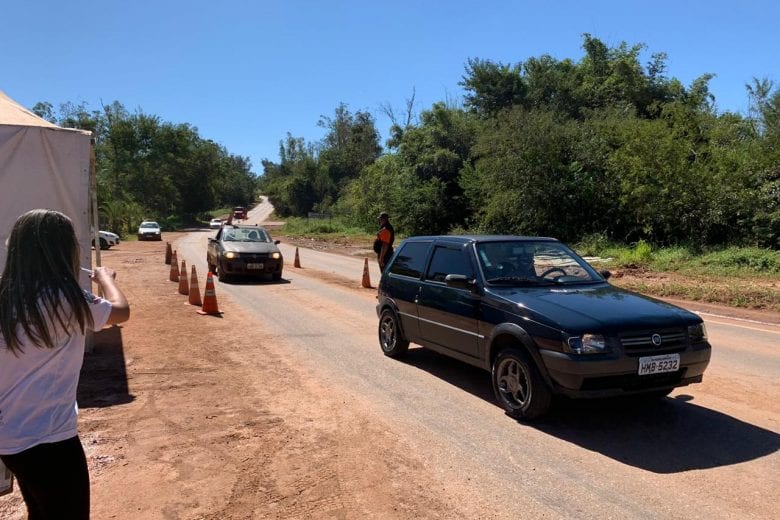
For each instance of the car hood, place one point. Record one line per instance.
(602, 307)
(250, 247)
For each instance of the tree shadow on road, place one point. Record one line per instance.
(667, 435)
(103, 379)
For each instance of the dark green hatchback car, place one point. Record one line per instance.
(538, 317)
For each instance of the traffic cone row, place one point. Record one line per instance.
(209, 304)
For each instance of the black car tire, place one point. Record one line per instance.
(391, 339)
(211, 267)
(276, 276)
(223, 277)
(103, 244)
(518, 385)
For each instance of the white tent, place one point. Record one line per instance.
(43, 166)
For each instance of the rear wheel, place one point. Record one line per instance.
(391, 339)
(518, 385)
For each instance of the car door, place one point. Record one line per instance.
(448, 316)
(403, 288)
(212, 252)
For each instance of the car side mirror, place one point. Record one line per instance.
(277, 242)
(461, 281)
(606, 274)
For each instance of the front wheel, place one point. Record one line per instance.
(221, 274)
(518, 385)
(391, 339)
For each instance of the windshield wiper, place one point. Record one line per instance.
(514, 280)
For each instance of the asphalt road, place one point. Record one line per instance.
(709, 451)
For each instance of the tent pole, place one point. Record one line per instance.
(93, 197)
(89, 340)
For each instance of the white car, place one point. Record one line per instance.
(107, 239)
(215, 223)
(149, 230)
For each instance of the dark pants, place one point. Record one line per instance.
(388, 256)
(53, 479)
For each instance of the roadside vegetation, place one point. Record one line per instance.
(606, 151)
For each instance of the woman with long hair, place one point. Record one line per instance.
(44, 316)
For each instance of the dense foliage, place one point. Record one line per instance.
(148, 168)
(603, 145)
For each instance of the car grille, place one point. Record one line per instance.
(633, 382)
(639, 343)
(253, 257)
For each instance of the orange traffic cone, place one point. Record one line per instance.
(210, 298)
(168, 253)
(184, 287)
(174, 276)
(194, 290)
(297, 262)
(366, 277)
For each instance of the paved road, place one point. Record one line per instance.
(710, 451)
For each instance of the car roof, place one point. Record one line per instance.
(463, 239)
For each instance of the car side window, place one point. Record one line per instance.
(446, 260)
(410, 259)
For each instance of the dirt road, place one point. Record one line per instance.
(284, 407)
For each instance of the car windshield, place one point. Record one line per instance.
(521, 262)
(149, 225)
(245, 235)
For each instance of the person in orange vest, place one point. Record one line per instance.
(383, 244)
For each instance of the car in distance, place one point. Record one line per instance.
(149, 230)
(240, 212)
(215, 223)
(107, 239)
(244, 250)
(538, 317)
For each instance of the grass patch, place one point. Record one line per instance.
(744, 295)
(739, 262)
(323, 229)
(747, 277)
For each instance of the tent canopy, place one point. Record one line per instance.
(42, 166)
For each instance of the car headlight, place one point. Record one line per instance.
(697, 332)
(276, 256)
(231, 254)
(587, 344)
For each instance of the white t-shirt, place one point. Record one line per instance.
(38, 386)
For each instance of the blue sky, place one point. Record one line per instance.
(247, 72)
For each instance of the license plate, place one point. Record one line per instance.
(659, 364)
(254, 266)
